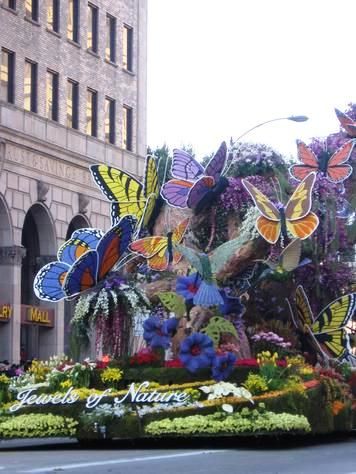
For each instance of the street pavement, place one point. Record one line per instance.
(328, 456)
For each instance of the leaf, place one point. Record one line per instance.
(216, 327)
(173, 302)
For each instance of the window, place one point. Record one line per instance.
(7, 76)
(110, 50)
(30, 86)
(92, 39)
(127, 128)
(53, 15)
(127, 47)
(10, 4)
(72, 103)
(52, 95)
(73, 21)
(31, 9)
(109, 121)
(92, 113)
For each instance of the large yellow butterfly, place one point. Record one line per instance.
(126, 194)
(160, 251)
(326, 333)
(295, 217)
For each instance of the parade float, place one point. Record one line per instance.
(221, 301)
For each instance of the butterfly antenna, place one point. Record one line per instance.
(125, 261)
(230, 159)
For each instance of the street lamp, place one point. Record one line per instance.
(293, 118)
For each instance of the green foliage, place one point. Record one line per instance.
(256, 384)
(37, 426)
(216, 327)
(173, 302)
(245, 422)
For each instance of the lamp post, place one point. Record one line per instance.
(293, 118)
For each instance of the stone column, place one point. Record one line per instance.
(10, 292)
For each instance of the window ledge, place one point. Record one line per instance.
(111, 63)
(74, 43)
(53, 32)
(130, 73)
(93, 53)
(10, 10)
(34, 22)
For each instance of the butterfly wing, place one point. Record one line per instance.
(346, 122)
(154, 249)
(308, 159)
(48, 283)
(82, 275)
(300, 202)
(184, 166)
(304, 316)
(268, 229)
(216, 165)
(177, 237)
(150, 188)
(122, 189)
(301, 223)
(263, 204)
(199, 190)
(290, 256)
(336, 315)
(175, 192)
(338, 170)
(113, 245)
(80, 242)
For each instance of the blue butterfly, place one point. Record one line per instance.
(83, 261)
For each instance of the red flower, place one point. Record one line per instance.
(173, 363)
(246, 362)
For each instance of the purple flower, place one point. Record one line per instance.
(231, 305)
(223, 365)
(188, 286)
(196, 352)
(158, 334)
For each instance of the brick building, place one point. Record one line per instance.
(72, 93)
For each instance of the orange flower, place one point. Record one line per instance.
(336, 407)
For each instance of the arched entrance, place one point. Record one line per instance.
(78, 222)
(39, 240)
(7, 277)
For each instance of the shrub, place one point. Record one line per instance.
(245, 422)
(37, 426)
(256, 384)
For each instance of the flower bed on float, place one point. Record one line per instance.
(212, 323)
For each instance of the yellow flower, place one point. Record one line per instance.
(66, 384)
(111, 375)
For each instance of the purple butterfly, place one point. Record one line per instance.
(193, 186)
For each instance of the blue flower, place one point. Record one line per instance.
(196, 352)
(231, 305)
(223, 365)
(188, 286)
(158, 334)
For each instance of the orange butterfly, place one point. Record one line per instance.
(333, 167)
(295, 217)
(347, 123)
(158, 250)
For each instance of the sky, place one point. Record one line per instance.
(216, 68)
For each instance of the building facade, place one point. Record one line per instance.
(72, 93)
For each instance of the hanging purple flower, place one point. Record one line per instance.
(158, 334)
(223, 365)
(188, 286)
(196, 352)
(231, 305)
